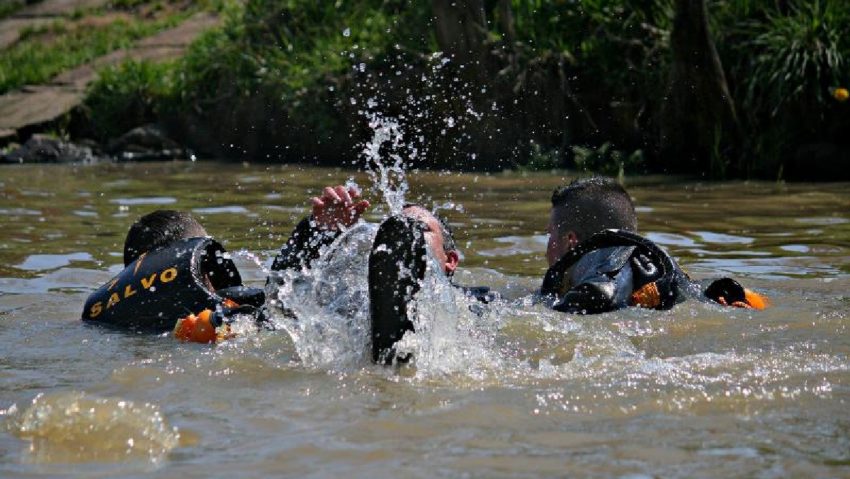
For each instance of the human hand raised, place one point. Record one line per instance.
(337, 206)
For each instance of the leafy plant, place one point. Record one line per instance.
(607, 160)
(130, 94)
(785, 60)
(797, 56)
(541, 159)
(8, 7)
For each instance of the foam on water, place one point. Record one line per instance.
(75, 427)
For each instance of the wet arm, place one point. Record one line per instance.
(303, 246)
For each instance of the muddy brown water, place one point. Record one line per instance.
(697, 391)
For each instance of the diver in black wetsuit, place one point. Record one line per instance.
(173, 269)
(340, 207)
(396, 263)
(598, 263)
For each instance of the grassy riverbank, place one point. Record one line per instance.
(589, 84)
(46, 49)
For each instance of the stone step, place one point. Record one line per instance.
(58, 8)
(39, 15)
(36, 105)
(32, 106)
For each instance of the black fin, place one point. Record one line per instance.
(396, 267)
(727, 288)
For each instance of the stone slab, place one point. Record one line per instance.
(36, 105)
(57, 8)
(11, 28)
(181, 35)
(7, 136)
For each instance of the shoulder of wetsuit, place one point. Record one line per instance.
(602, 261)
(591, 297)
(396, 267)
(650, 263)
(303, 246)
(163, 285)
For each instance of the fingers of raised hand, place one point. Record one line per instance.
(354, 192)
(343, 194)
(329, 194)
(360, 207)
(337, 206)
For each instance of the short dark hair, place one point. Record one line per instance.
(447, 233)
(589, 205)
(157, 229)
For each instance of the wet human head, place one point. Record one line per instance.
(158, 229)
(438, 235)
(583, 208)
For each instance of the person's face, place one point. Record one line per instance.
(558, 243)
(434, 237)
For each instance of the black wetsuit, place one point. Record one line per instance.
(615, 269)
(169, 283)
(306, 242)
(303, 246)
(397, 264)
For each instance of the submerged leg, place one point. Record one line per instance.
(396, 267)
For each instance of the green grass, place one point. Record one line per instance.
(8, 7)
(130, 94)
(42, 54)
(609, 58)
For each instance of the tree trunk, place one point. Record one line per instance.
(461, 29)
(505, 17)
(700, 131)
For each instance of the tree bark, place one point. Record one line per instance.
(699, 126)
(505, 16)
(461, 30)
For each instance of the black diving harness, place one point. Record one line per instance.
(656, 271)
(161, 286)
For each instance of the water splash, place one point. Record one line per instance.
(77, 428)
(423, 129)
(454, 334)
(251, 257)
(385, 157)
(325, 309)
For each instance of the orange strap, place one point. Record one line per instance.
(756, 300)
(198, 328)
(647, 296)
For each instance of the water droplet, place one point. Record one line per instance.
(347, 32)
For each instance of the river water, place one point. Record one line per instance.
(697, 391)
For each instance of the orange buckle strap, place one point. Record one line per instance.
(200, 328)
(647, 296)
(756, 300)
(196, 328)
